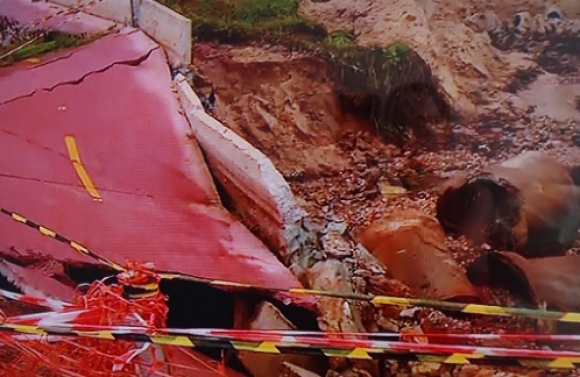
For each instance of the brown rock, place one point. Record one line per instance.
(337, 315)
(267, 317)
(527, 204)
(336, 245)
(291, 370)
(551, 282)
(412, 247)
(426, 369)
(382, 285)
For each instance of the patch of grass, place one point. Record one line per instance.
(50, 42)
(42, 44)
(390, 85)
(385, 84)
(340, 41)
(236, 21)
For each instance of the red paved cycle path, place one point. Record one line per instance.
(159, 204)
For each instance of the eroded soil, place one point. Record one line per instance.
(285, 104)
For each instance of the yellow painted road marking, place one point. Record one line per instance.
(73, 152)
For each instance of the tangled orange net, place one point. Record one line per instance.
(135, 299)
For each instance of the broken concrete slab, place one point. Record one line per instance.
(260, 193)
(527, 204)
(291, 370)
(49, 16)
(412, 247)
(35, 283)
(338, 315)
(168, 28)
(553, 281)
(267, 317)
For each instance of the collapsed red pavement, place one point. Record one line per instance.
(153, 198)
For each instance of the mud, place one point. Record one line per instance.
(280, 102)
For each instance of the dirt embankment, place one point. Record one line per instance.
(280, 102)
(462, 58)
(284, 104)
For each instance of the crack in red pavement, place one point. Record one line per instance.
(80, 185)
(35, 143)
(131, 62)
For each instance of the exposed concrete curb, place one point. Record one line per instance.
(261, 194)
(168, 28)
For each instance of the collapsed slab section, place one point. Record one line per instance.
(35, 283)
(104, 157)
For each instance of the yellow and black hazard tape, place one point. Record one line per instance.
(45, 231)
(490, 310)
(389, 350)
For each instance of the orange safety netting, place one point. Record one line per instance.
(134, 300)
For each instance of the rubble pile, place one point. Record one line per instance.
(389, 197)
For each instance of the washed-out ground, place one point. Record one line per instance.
(526, 95)
(523, 96)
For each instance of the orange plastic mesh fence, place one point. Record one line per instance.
(58, 356)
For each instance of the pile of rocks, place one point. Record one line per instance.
(523, 27)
